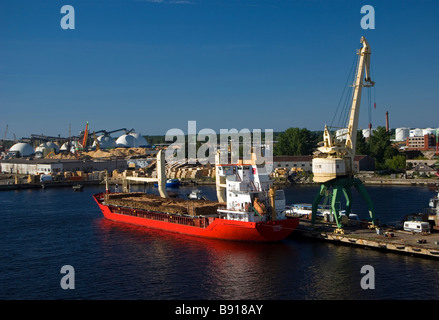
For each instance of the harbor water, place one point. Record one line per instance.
(44, 230)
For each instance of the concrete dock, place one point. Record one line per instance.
(389, 240)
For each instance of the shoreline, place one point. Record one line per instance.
(395, 181)
(194, 182)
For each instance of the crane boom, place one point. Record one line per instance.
(337, 159)
(362, 69)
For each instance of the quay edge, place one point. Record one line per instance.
(394, 241)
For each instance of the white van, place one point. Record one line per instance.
(417, 226)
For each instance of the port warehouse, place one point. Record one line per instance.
(57, 166)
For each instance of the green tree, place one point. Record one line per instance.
(379, 144)
(361, 147)
(396, 162)
(295, 142)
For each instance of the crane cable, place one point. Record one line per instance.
(347, 95)
(343, 95)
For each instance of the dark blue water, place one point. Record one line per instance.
(43, 230)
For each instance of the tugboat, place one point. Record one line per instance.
(252, 211)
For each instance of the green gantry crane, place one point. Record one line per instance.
(333, 164)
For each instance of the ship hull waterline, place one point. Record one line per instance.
(222, 229)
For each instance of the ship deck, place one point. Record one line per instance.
(152, 202)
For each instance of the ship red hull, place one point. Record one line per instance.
(217, 228)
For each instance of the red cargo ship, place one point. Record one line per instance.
(203, 226)
(249, 208)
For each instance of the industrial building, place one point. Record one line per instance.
(417, 138)
(54, 166)
(304, 163)
(427, 142)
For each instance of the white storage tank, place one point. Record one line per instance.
(401, 134)
(366, 133)
(416, 132)
(428, 131)
(341, 134)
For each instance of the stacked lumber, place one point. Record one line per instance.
(152, 202)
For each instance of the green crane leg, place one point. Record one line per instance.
(317, 201)
(335, 210)
(338, 185)
(348, 196)
(362, 190)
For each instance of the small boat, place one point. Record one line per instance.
(78, 187)
(196, 195)
(171, 183)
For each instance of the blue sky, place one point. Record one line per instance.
(154, 65)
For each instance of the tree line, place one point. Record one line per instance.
(301, 141)
(296, 142)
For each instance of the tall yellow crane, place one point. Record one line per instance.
(333, 163)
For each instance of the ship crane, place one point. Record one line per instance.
(333, 163)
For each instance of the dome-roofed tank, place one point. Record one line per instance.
(73, 144)
(140, 141)
(24, 149)
(131, 140)
(125, 141)
(105, 142)
(47, 147)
